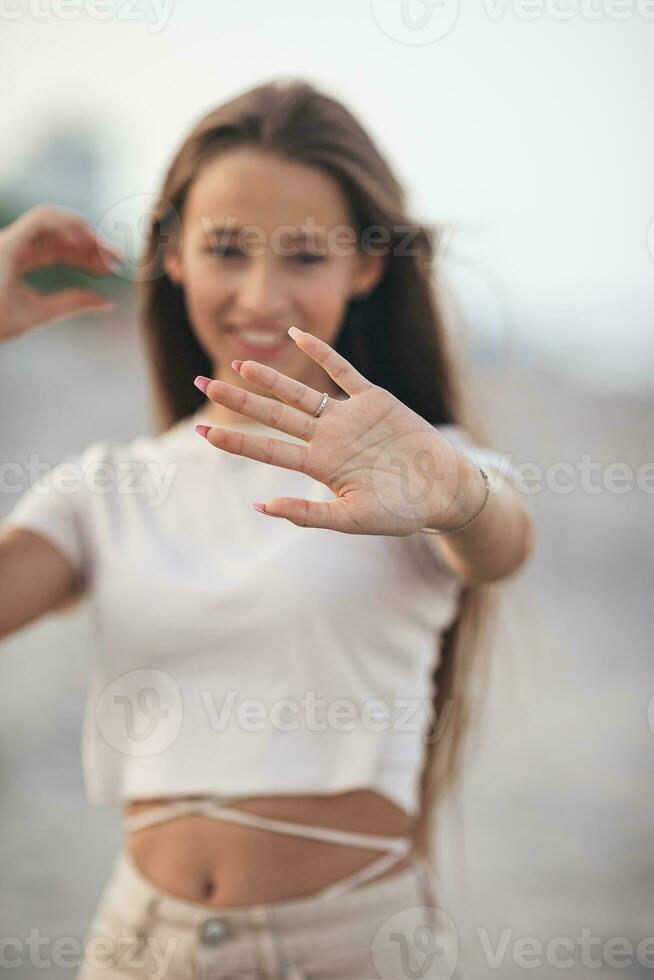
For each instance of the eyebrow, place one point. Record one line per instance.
(231, 231)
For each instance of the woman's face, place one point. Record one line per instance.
(260, 252)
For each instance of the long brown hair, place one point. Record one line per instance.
(395, 336)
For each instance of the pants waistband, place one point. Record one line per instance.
(407, 886)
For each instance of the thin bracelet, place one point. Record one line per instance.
(431, 530)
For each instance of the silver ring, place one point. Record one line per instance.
(317, 412)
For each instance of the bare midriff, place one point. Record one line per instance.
(218, 864)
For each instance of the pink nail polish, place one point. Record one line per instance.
(260, 507)
(237, 365)
(202, 429)
(201, 382)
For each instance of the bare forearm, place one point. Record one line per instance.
(497, 542)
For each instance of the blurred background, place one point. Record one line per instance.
(523, 129)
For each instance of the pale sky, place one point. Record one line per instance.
(535, 135)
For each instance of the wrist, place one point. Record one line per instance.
(468, 503)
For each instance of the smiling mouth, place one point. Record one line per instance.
(257, 341)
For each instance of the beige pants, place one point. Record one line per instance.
(383, 929)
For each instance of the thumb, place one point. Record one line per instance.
(308, 513)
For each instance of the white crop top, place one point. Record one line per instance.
(238, 654)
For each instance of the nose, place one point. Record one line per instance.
(260, 291)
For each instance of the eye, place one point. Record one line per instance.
(225, 251)
(307, 258)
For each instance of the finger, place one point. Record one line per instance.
(96, 252)
(78, 245)
(300, 396)
(51, 221)
(110, 248)
(266, 410)
(36, 247)
(310, 513)
(69, 249)
(70, 301)
(277, 452)
(336, 366)
(47, 234)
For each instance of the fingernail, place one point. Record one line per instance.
(108, 305)
(201, 382)
(112, 256)
(107, 243)
(293, 331)
(202, 429)
(260, 507)
(237, 365)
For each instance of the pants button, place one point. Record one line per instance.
(215, 931)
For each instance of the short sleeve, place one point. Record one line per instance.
(55, 505)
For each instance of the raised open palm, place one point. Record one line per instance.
(391, 471)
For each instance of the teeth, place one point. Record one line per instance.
(260, 338)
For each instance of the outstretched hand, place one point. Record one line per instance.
(391, 471)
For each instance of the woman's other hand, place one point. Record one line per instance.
(47, 235)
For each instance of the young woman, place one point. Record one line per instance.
(280, 691)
